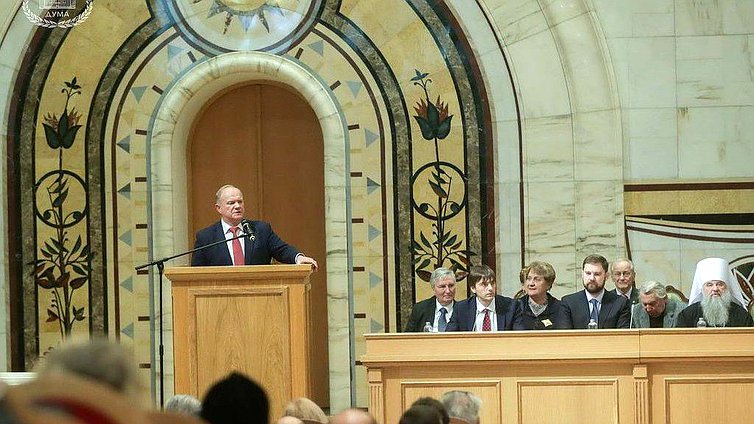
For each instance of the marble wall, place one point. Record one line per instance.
(621, 127)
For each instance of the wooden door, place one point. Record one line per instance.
(266, 140)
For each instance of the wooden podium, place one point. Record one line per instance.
(252, 319)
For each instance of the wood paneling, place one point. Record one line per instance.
(607, 376)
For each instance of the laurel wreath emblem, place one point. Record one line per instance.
(68, 23)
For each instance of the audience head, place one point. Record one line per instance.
(623, 274)
(289, 420)
(236, 399)
(538, 279)
(421, 414)
(481, 281)
(305, 409)
(99, 359)
(594, 273)
(443, 282)
(185, 404)
(353, 416)
(462, 405)
(653, 298)
(434, 403)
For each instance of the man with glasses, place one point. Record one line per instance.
(624, 278)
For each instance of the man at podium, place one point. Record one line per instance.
(257, 246)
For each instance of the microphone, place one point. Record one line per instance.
(631, 321)
(248, 229)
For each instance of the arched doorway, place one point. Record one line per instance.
(266, 140)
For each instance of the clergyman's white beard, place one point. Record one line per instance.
(715, 309)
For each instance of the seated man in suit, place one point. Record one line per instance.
(257, 249)
(716, 299)
(655, 310)
(624, 277)
(594, 303)
(485, 310)
(438, 309)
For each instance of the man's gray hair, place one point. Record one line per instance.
(626, 260)
(99, 359)
(185, 404)
(653, 287)
(463, 405)
(219, 192)
(440, 273)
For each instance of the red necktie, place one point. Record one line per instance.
(237, 251)
(486, 324)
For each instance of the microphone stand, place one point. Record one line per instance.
(160, 263)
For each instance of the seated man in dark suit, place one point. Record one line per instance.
(257, 249)
(716, 299)
(655, 309)
(438, 309)
(624, 277)
(594, 303)
(485, 310)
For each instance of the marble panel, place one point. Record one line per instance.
(508, 223)
(15, 40)
(541, 83)
(642, 241)
(715, 70)
(549, 222)
(645, 68)
(559, 11)
(508, 267)
(548, 148)
(698, 17)
(507, 156)
(585, 64)
(498, 85)
(716, 142)
(598, 147)
(567, 277)
(738, 16)
(599, 218)
(517, 19)
(651, 148)
(662, 265)
(636, 18)
(473, 21)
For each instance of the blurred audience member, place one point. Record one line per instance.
(99, 359)
(421, 414)
(462, 405)
(185, 404)
(288, 420)
(430, 401)
(236, 399)
(353, 416)
(305, 409)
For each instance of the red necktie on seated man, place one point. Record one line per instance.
(486, 323)
(237, 251)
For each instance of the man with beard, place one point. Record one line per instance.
(624, 278)
(438, 309)
(715, 298)
(594, 303)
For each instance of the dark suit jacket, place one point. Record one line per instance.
(266, 245)
(422, 313)
(464, 314)
(634, 295)
(574, 311)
